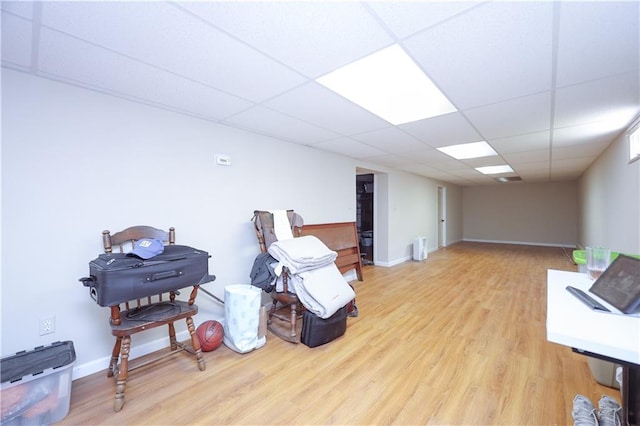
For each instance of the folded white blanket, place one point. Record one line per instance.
(281, 225)
(322, 291)
(301, 254)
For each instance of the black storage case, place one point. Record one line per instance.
(118, 277)
(34, 362)
(36, 385)
(317, 331)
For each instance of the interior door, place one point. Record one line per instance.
(442, 214)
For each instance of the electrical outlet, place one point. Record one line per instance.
(47, 325)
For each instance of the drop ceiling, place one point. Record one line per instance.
(547, 84)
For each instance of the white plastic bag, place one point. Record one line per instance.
(242, 317)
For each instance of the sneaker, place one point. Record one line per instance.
(609, 412)
(354, 311)
(584, 413)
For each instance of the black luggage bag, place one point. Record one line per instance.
(317, 331)
(117, 277)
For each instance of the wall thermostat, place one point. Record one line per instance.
(223, 160)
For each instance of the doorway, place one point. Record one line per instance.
(364, 216)
(442, 214)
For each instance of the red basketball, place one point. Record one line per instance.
(210, 334)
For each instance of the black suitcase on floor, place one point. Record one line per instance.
(116, 277)
(317, 331)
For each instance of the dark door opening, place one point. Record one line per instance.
(364, 216)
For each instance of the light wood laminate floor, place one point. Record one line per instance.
(457, 339)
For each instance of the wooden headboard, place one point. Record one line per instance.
(340, 237)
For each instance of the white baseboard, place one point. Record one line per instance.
(451, 243)
(393, 262)
(137, 351)
(524, 243)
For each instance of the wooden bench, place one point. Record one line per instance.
(341, 237)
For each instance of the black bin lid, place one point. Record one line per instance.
(56, 355)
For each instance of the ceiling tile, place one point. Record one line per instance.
(517, 158)
(350, 148)
(444, 130)
(474, 176)
(390, 139)
(540, 168)
(391, 160)
(24, 9)
(477, 58)
(493, 160)
(521, 143)
(276, 124)
(415, 16)
(615, 100)
(608, 31)
(535, 177)
(423, 170)
(88, 65)
(448, 177)
(573, 164)
(520, 116)
(583, 134)
(319, 106)
(313, 37)
(175, 41)
(16, 41)
(561, 174)
(589, 150)
(532, 166)
(436, 159)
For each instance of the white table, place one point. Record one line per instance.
(608, 336)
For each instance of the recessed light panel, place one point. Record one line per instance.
(390, 85)
(494, 170)
(505, 179)
(468, 150)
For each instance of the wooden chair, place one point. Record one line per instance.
(264, 226)
(144, 314)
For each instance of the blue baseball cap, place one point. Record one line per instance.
(147, 248)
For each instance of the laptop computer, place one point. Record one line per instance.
(619, 284)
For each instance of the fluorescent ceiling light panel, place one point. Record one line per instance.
(390, 85)
(505, 179)
(494, 170)
(468, 150)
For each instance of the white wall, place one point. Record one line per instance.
(454, 218)
(536, 213)
(609, 201)
(406, 207)
(410, 190)
(75, 162)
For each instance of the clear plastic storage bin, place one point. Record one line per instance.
(36, 385)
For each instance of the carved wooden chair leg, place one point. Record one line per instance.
(272, 311)
(172, 337)
(123, 374)
(294, 315)
(115, 355)
(195, 343)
